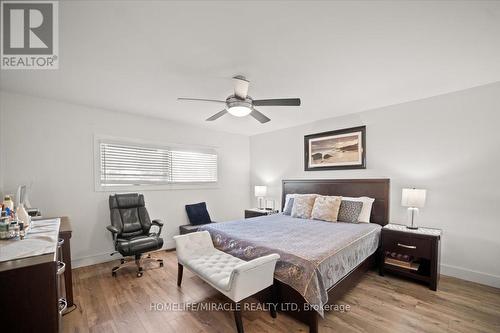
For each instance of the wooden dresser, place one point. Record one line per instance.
(65, 233)
(35, 285)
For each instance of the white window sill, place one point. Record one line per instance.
(169, 187)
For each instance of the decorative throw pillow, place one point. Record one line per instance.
(288, 206)
(349, 211)
(326, 208)
(366, 211)
(198, 214)
(302, 206)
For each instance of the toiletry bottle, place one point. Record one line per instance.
(8, 203)
(23, 216)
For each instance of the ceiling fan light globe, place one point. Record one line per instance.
(239, 111)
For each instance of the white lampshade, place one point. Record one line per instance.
(260, 191)
(413, 197)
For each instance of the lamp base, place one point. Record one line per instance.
(412, 211)
(260, 202)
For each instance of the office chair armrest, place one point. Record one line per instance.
(159, 224)
(114, 230)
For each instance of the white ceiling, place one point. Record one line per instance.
(339, 57)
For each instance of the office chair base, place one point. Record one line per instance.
(138, 260)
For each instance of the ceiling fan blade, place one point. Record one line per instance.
(200, 100)
(277, 102)
(259, 116)
(240, 86)
(217, 115)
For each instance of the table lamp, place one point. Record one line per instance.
(413, 199)
(260, 193)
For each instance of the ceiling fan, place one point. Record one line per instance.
(241, 105)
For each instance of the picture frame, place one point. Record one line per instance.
(336, 150)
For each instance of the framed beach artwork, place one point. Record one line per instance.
(336, 150)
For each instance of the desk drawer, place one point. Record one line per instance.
(405, 244)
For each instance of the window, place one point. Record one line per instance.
(190, 166)
(123, 164)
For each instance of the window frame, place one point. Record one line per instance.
(98, 187)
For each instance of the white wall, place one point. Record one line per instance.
(49, 144)
(448, 144)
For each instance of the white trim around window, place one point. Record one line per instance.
(131, 165)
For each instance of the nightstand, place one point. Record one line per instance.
(411, 253)
(254, 212)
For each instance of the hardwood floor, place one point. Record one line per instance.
(377, 304)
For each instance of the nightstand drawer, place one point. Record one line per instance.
(406, 244)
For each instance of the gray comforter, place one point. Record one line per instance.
(314, 255)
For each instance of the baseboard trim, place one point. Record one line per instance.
(471, 275)
(105, 257)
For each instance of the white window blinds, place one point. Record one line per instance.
(124, 164)
(190, 166)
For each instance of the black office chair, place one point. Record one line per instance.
(130, 226)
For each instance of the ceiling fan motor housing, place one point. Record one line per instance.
(233, 101)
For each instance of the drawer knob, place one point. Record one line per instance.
(63, 305)
(61, 267)
(407, 246)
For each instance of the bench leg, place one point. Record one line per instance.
(237, 318)
(180, 269)
(274, 301)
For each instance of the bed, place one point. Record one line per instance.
(319, 260)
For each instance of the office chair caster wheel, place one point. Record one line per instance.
(122, 261)
(139, 274)
(161, 264)
(113, 274)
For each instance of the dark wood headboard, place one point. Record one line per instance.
(373, 188)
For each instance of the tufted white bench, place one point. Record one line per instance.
(235, 278)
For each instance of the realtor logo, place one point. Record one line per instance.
(29, 37)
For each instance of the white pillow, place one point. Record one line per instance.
(366, 211)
